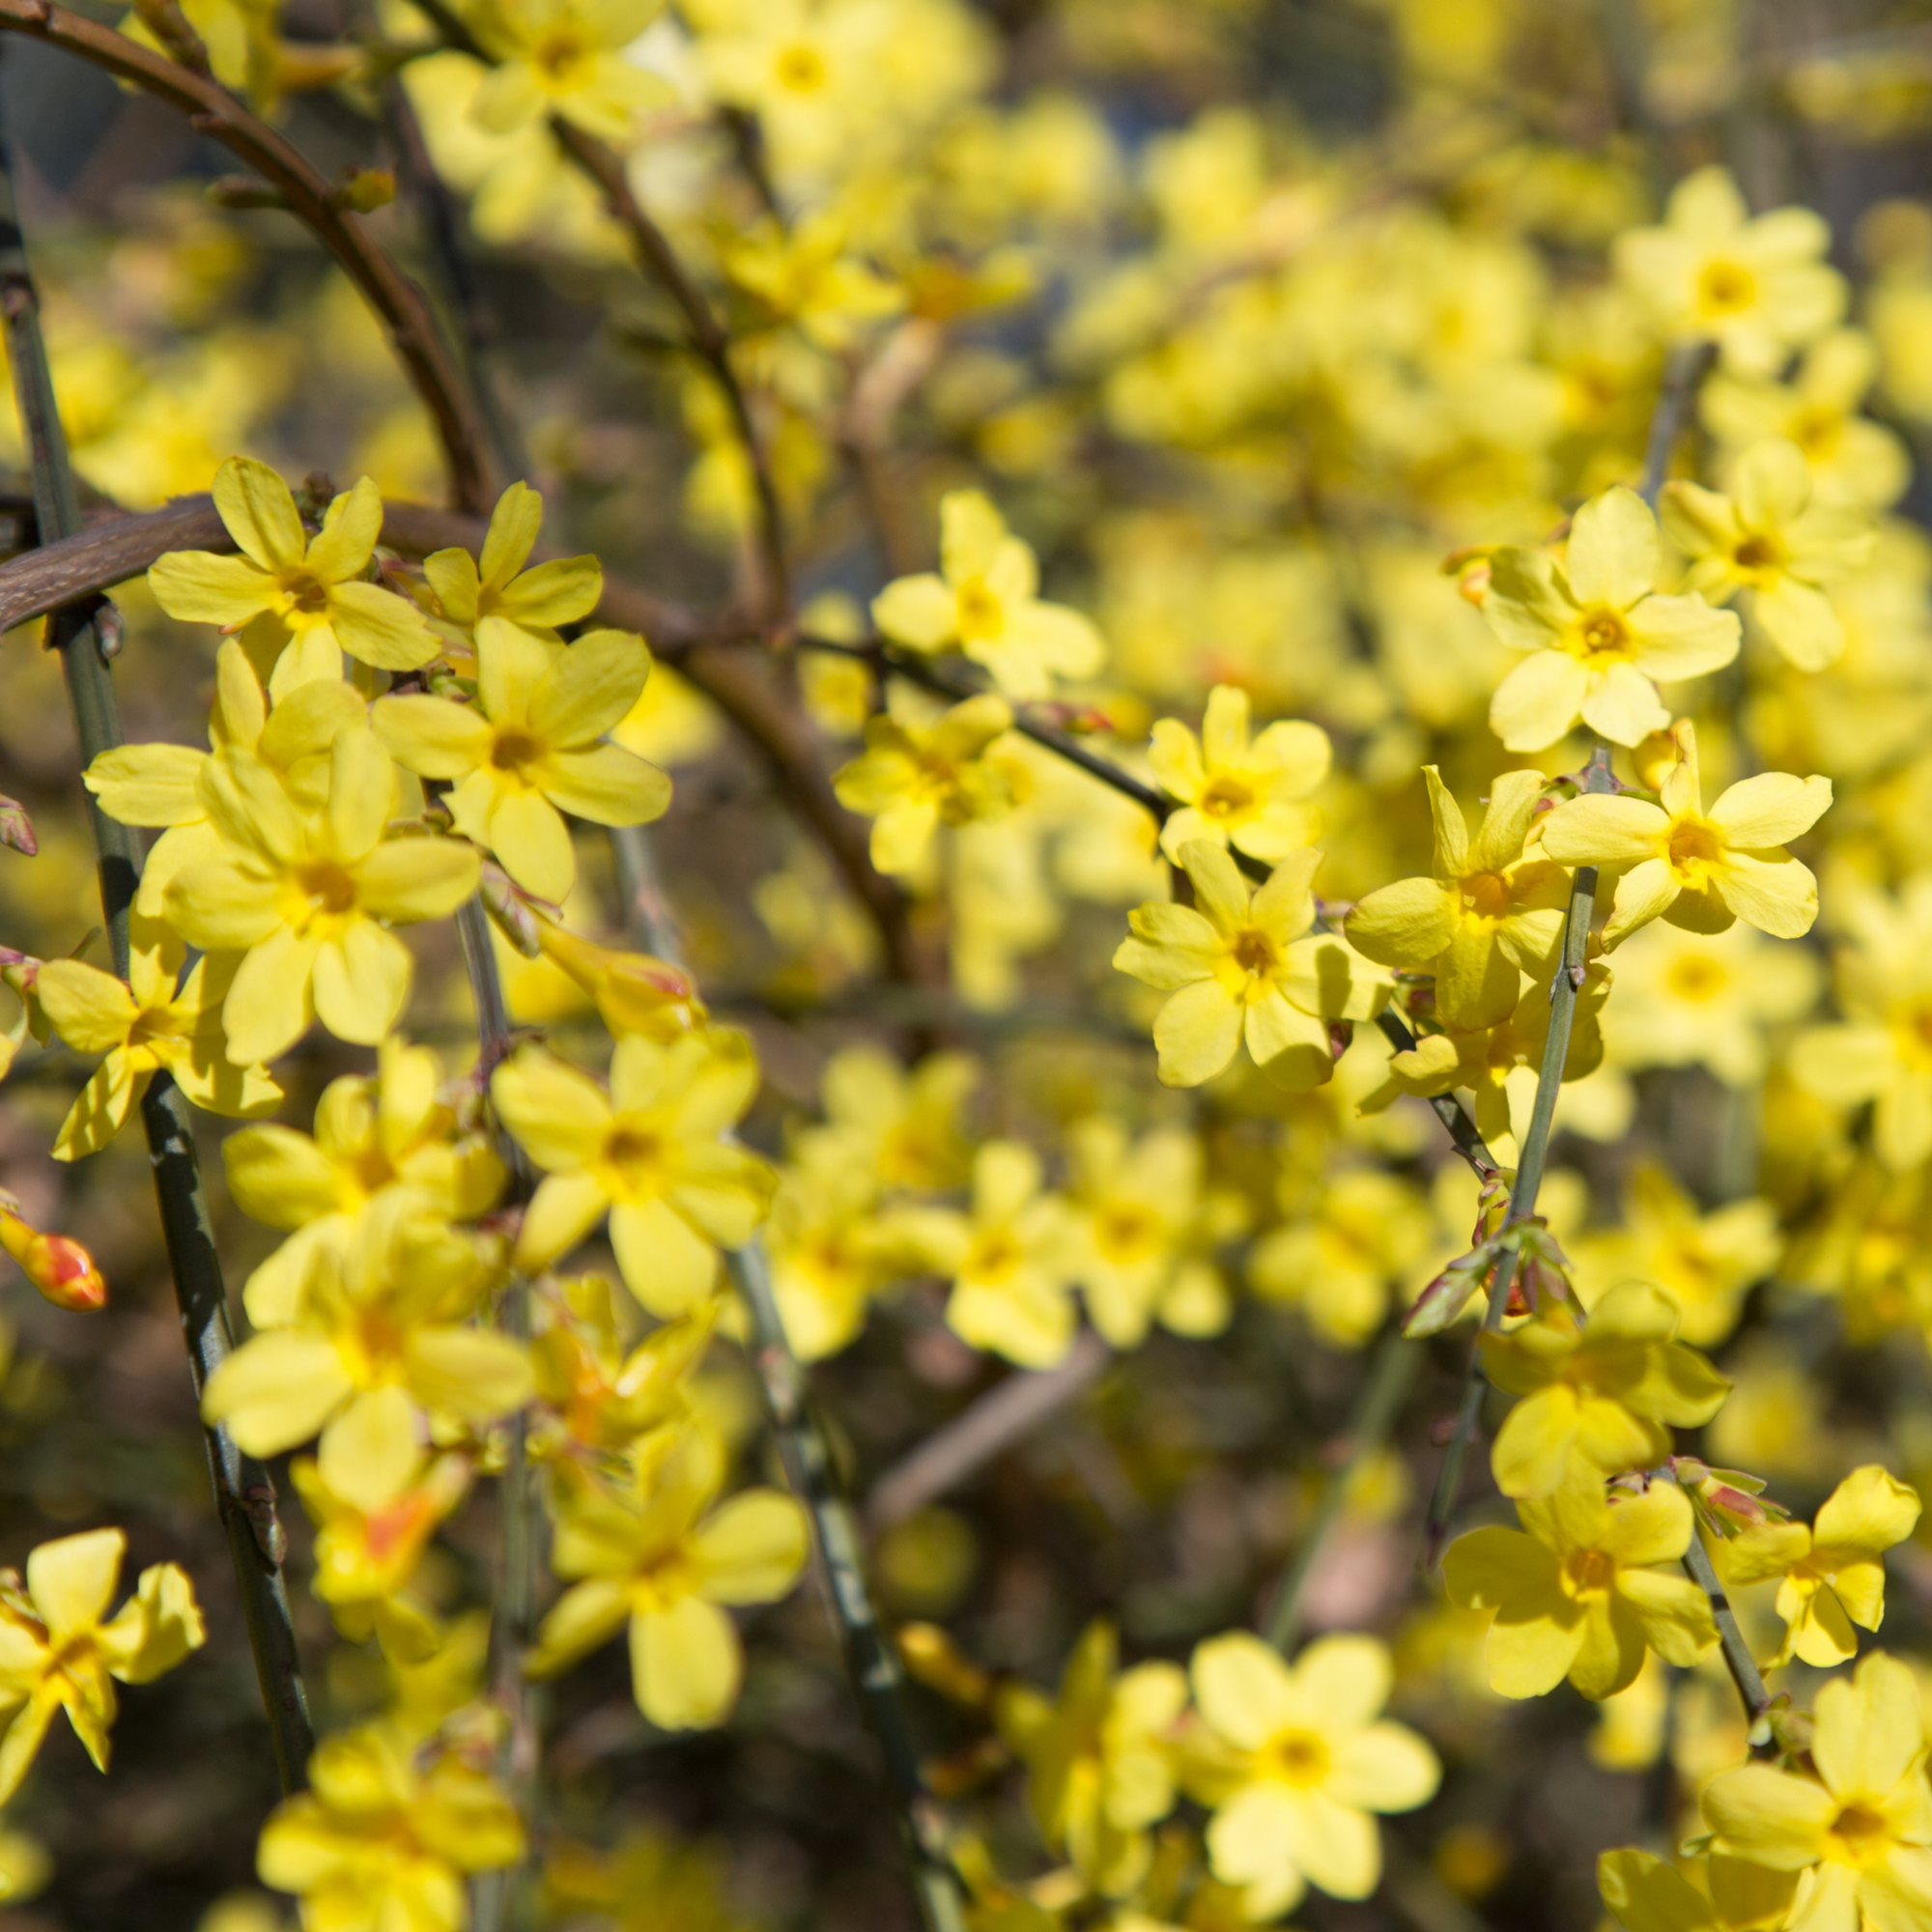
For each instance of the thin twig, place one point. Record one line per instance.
(244, 1493)
(1564, 986)
(988, 1428)
(1738, 1659)
(872, 1659)
(1682, 377)
(1377, 1405)
(213, 111)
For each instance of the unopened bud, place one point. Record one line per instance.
(934, 1660)
(634, 992)
(17, 828)
(364, 189)
(61, 1270)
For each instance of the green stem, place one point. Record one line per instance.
(871, 1660)
(1737, 1658)
(244, 1493)
(1376, 1408)
(1564, 986)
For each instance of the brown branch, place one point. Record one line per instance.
(212, 110)
(1008, 1412)
(123, 547)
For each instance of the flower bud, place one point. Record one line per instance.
(634, 992)
(61, 1270)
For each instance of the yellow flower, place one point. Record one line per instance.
(1863, 1826)
(1236, 792)
(1686, 999)
(1237, 971)
(564, 57)
(384, 1314)
(606, 1398)
(807, 278)
(652, 1155)
(832, 1252)
(311, 593)
(658, 1557)
(1884, 1052)
(1007, 1260)
(911, 778)
(382, 1839)
(145, 1027)
(1704, 1262)
(1772, 540)
(1644, 1894)
(1699, 870)
(529, 749)
(1757, 288)
(1488, 1062)
(59, 1649)
(1595, 1398)
(1597, 631)
(1852, 459)
(394, 1130)
(161, 785)
(1100, 1770)
(1304, 1759)
(901, 1127)
(374, 1497)
(1580, 1595)
(1833, 1574)
(309, 899)
(1363, 1232)
(1134, 1215)
(536, 600)
(1488, 912)
(986, 604)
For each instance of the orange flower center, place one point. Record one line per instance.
(800, 69)
(1485, 895)
(1861, 1834)
(978, 610)
(1694, 977)
(1253, 951)
(1122, 1232)
(1757, 552)
(327, 887)
(1696, 848)
(513, 748)
(1589, 1573)
(1607, 637)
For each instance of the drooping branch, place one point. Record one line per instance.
(212, 110)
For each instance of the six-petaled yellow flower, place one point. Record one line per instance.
(1235, 791)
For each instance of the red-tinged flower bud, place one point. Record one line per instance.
(17, 828)
(61, 1270)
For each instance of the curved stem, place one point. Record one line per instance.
(244, 1493)
(212, 110)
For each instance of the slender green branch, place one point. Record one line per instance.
(1379, 1401)
(871, 1660)
(1738, 1659)
(244, 1494)
(1682, 377)
(1564, 986)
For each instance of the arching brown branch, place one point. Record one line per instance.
(213, 111)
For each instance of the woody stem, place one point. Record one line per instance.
(244, 1494)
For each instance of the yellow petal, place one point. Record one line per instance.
(71, 1581)
(259, 510)
(686, 1664)
(277, 1390)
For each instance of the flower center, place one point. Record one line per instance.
(1759, 552)
(1726, 288)
(1696, 847)
(1913, 1027)
(995, 1256)
(1861, 1835)
(1696, 978)
(632, 1147)
(1589, 1573)
(1485, 896)
(1817, 432)
(1122, 1232)
(327, 888)
(800, 69)
(513, 748)
(1297, 1757)
(306, 595)
(1253, 951)
(1605, 636)
(557, 53)
(980, 614)
(1224, 798)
